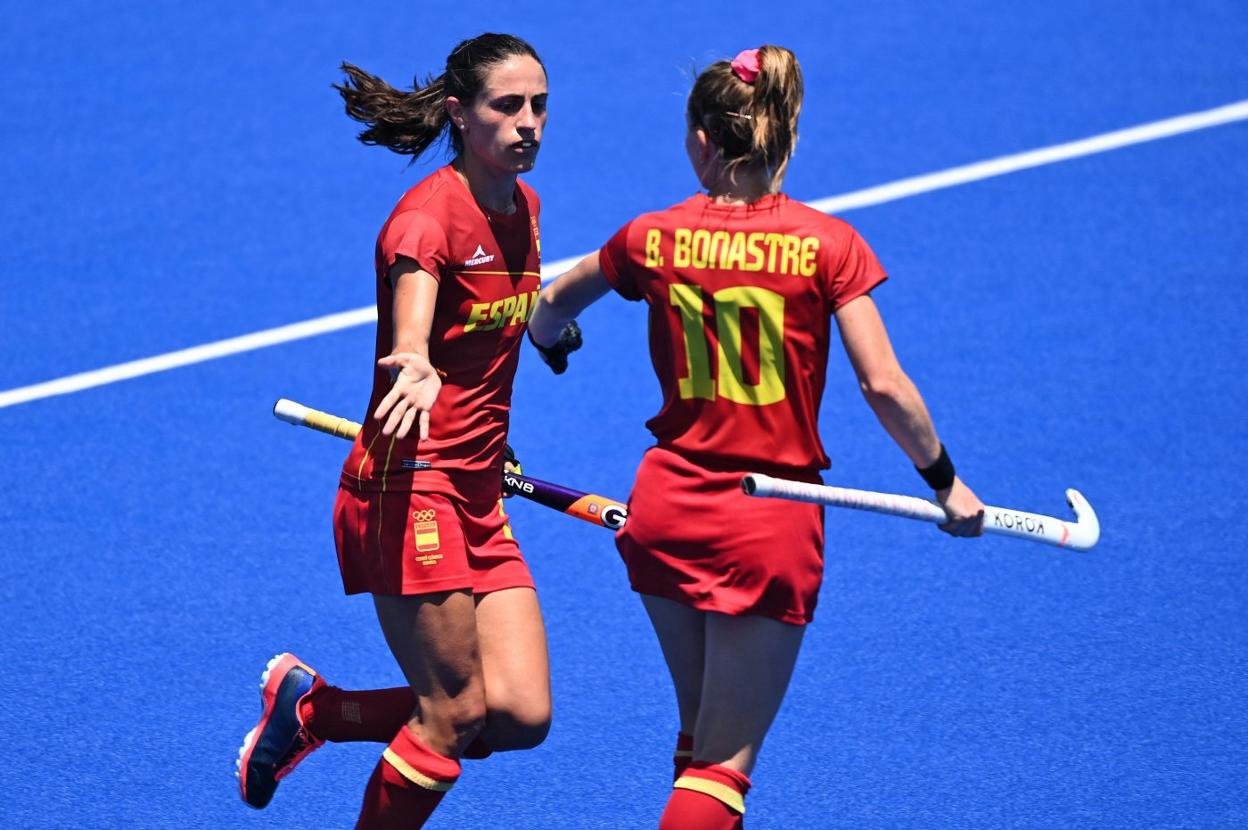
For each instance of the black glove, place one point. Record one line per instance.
(511, 465)
(509, 457)
(556, 355)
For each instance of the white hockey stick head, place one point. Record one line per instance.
(1085, 531)
(1081, 534)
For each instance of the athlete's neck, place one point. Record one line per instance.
(742, 188)
(491, 190)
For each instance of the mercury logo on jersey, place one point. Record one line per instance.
(508, 311)
(775, 253)
(479, 257)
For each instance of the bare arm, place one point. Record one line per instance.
(416, 382)
(899, 407)
(565, 298)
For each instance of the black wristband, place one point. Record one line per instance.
(939, 475)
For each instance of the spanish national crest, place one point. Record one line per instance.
(425, 529)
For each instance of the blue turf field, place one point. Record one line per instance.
(174, 176)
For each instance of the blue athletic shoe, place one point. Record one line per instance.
(277, 744)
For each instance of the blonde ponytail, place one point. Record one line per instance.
(751, 114)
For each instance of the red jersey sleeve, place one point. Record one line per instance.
(418, 236)
(616, 266)
(857, 272)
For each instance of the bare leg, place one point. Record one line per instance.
(434, 639)
(730, 674)
(749, 661)
(516, 669)
(682, 636)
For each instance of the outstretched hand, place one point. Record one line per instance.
(965, 510)
(556, 354)
(412, 395)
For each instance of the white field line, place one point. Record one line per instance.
(1034, 158)
(186, 357)
(880, 194)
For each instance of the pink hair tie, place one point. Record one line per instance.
(745, 65)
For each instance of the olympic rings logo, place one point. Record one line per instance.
(424, 515)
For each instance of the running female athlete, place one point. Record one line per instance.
(742, 285)
(418, 522)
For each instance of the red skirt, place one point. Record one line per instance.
(695, 538)
(421, 543)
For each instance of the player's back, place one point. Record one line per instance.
(741, 298)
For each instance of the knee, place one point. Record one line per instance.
(451, 724)
(524, 735)
(467, 718)
(519, 726)
(530, 729)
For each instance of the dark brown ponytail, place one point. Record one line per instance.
(408, 122)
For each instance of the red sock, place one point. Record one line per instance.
(340, 716)
(334, 714)
(683, 754)
(409, 781)
(706, 797)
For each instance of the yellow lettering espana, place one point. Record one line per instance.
(521, 311)
(496, 315)
(507, 311)
(476, 315)
(509, 308)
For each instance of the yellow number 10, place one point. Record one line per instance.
(731, 374)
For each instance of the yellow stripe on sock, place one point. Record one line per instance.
(716, 790)
(683, 753)
(411, 774)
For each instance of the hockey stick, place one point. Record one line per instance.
(595, 509)
(1081, 534)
